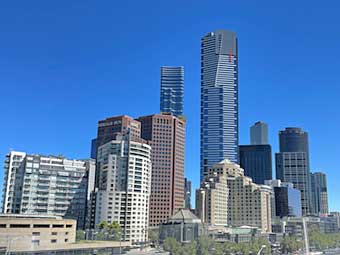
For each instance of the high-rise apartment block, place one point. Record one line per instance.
(172, 90)
(287, 199)
(319, 193)
(246, 202)
(259, 133)
(219, 99)
(256, 160)
(292, 164)
(166, 135)
(47, 185)
(124, 182)
(187, 193)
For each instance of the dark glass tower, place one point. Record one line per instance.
(292, 164)
(172, 89)
(219, 99)
(256, 160)
(319, 192)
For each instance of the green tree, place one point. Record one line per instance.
(80, 235)
(204, 245)
(171, 245)
(190, 248)
(153, 236)
(290, 244)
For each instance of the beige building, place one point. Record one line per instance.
(212, 201)
(247, 203)
(25, 232)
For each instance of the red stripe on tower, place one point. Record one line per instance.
(231, 55)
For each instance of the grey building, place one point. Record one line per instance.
(319, 192)
(219, 99)
(172, 90)
(183, 225)
(47, 185)
(259, 133)
(187, 193)
(292, 164)
(256, 160)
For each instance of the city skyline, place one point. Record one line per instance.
(68, 124)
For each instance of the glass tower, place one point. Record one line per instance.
(172, 89)
(219, 99)
(259, 133)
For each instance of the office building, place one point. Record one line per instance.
(287, 199)
(256, 160)
(336, 216)
(247, 203)
(166, 135)
(212, 200)
(259, 133)
(219, 99)
(319, 193)
(187, 193)
(172, 90)
(124, 174)
(93, 148)
(47, 185)
(292, 164)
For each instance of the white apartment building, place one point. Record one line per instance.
(123, 194)
(47, 185)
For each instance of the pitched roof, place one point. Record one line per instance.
(184, 215)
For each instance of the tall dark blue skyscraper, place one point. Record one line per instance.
(219, 98)
(172, 89)
(292, 164)
(256, 160)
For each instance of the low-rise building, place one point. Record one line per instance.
(27, 232)
(183, 225)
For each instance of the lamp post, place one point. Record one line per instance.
(262, 248)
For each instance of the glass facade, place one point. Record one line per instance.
(172, 89)
(219, 99)
(256, 160)
(287, 202)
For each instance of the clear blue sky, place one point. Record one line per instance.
(64, 65)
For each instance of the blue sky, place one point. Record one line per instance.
(64, 65)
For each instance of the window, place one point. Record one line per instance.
(53, 240)
(69, 225)
(66, 240)
(35, 233)
(41, 226)
(2, 225)
(57, 225)
(36, 242)
(19, 225)
(54, 233)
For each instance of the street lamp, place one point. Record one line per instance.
(262, 248)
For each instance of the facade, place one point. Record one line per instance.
(166, 135)
(93, 148)
(247, 203)
(256, 160)
(292, 164)
(212, 200)
(47, 185)
(172, 90)
(219, 99)
(187, 194)
(259, 133)
(336, 216)
(28, 233)
(124, 174)
(184, 226)
(287, 199)
(319, 193)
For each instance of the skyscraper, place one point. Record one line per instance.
(259, 133)
(256, 160)
(292, 164)
(187, 193)
(166, 135)
(219, 99)
(319, 192)
(172, 89)
(124, 173)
